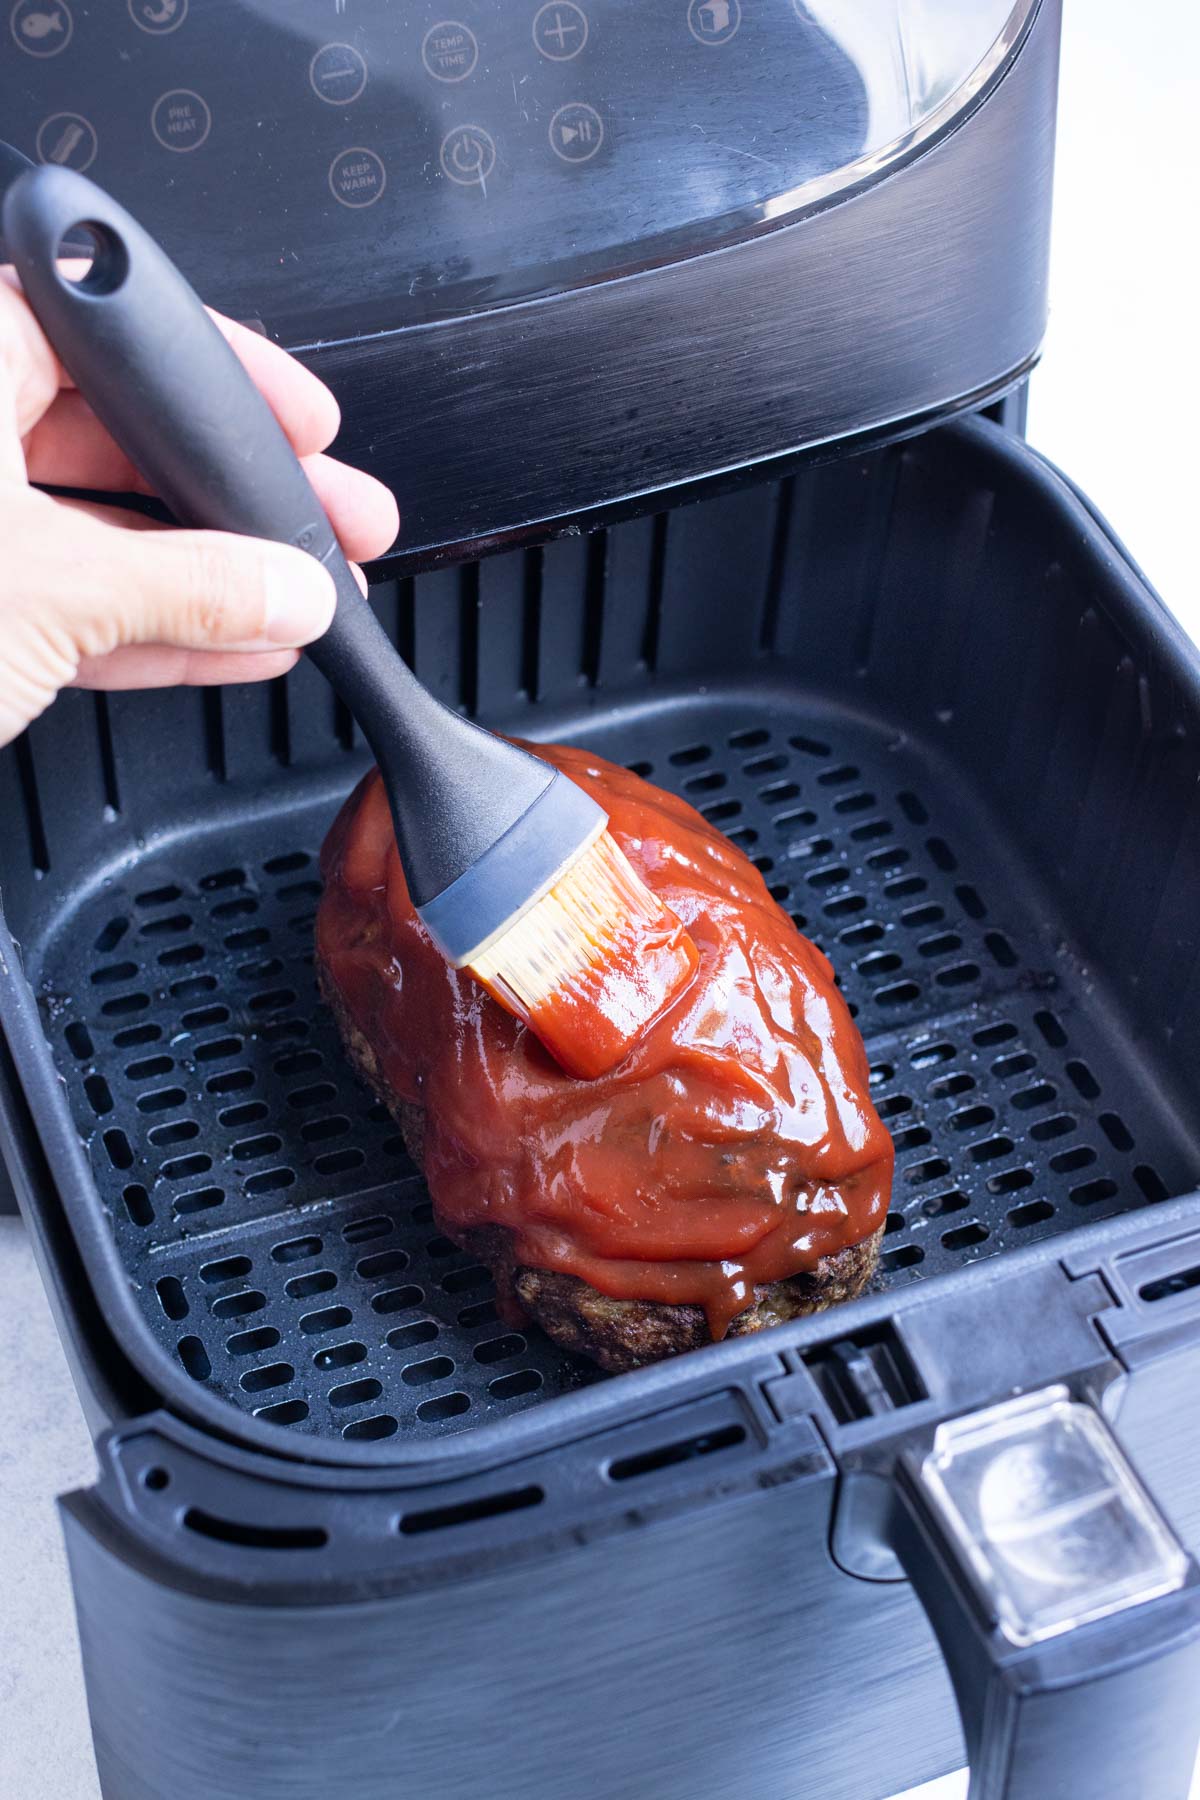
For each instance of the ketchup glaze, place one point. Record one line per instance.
(736, 1144)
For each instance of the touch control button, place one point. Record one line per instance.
(41, 27)
(714, 21)
(560, 30)
(449, 50)
(68, 139)
(158, 16)
(338, 74)
(468, 155)
(357, 177)
(181, 120)
(576, 132)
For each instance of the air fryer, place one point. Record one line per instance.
(693, 340)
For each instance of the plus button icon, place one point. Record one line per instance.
(560, 30)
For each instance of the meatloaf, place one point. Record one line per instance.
(730, 1174)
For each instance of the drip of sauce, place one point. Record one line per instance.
(736, 1144)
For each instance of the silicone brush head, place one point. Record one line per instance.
(590, 964)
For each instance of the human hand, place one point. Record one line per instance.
(91, 596)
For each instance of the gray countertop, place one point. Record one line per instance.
(45, 1746)
(1115, 404)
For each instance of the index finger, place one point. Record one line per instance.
(303, 405)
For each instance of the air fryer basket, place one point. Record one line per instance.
(281, 1246)
(880, 677)
(927, 690)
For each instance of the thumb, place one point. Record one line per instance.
(197, 590)
(79, 581)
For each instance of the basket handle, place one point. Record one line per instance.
(1066, 1609)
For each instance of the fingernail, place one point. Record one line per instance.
(300, 597)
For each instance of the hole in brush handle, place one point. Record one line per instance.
(104, 252)
(153, 365)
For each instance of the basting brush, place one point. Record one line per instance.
(509, 864)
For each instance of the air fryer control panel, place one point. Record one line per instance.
(557, 257)
(334, 167)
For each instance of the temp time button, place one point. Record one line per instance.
(449, 50)
(357, 177)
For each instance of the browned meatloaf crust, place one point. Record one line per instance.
(617, 1334)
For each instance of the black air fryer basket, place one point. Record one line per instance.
(352, 1535)
(957, 733)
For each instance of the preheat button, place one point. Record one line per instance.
(576, 132)
(338, 74)
(714, 21)
(41, 27)
(449, 50)
(357, 177)
(468, 155)
(560, 30)
(181, 120)
(158, 16)
(68, 139)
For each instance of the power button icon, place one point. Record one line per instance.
(468, 155)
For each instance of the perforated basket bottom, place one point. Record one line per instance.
(278, 1239)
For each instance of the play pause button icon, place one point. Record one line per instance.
(576, 132)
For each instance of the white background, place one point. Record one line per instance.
(1116, 400)
(1116, 403)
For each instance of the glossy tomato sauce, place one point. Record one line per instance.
(734, 1146)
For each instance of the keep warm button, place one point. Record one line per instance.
(357, 177)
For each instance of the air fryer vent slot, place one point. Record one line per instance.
(255, 1537)
(1167, 1286)
(669, 1456)
(468, 1512)
(283, 1248)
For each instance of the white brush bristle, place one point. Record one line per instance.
(597, 903)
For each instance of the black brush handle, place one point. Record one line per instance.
(162, 379)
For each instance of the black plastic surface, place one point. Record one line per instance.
(8, 1198)
(458, 161)
(601, 1666)
(856, 615)
(632, 1561)
(894, 303)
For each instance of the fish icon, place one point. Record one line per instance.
(41, 24)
